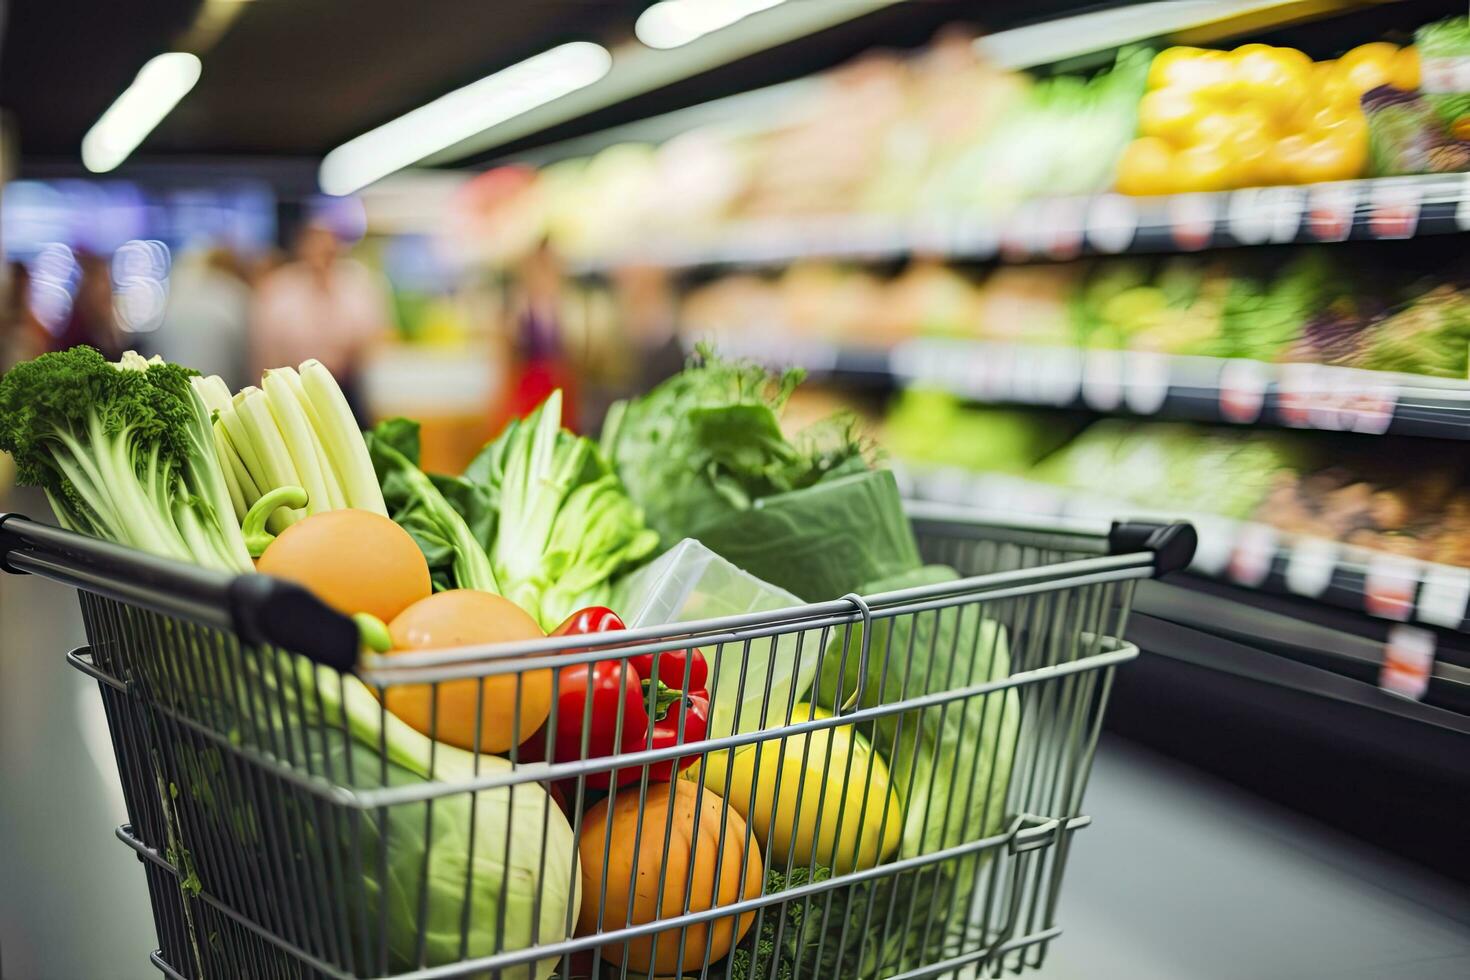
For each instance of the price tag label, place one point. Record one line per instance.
(1250, 559)
(1257, 215)
(1393, 208)
(992, 373)
(930, 233)
(1112, 221)
(1408, 662)
(1145, 381)
(1331, 209)
(1371, 407)
(1060, 229)
(1462, 206)
(1444, 595)
(1389, 585)
(1294, 392)
(1192, 220)
(1242, 391)
(1102, 380)
(1310, 565)
(1020, 233)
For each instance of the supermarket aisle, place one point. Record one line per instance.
(72, 899)
(1184, 877)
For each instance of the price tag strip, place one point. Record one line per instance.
(1408, 662)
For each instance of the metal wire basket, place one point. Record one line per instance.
(924, 829)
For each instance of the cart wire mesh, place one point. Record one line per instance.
(888, 785)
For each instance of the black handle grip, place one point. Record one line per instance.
(1172, 544)
(259, 609)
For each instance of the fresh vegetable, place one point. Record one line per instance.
(950, 768)
(612, 706)
(507, 854)
(296, 429)
(506, 707)
(564, 525)
(455, 555)
(637, 854)
(864, 930)
(124, 451)
(1430, 336)
(704, 455)
(355, 561)
(1405, 136)
(1442, 47)
(820, 798)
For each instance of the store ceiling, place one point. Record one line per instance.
(294, 78)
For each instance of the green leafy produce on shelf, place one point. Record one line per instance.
(1260, 318)
(703, 454)
(1448, 38)
(1124, 305)
(1174, 465)
(1063, 136)
(931, 427)
(1430, 336)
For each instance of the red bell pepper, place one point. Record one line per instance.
(629, 681)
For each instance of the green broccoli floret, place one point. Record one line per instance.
(124, 451)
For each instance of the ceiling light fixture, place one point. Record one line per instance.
(461, 114)
(674, 23)
(160, 84)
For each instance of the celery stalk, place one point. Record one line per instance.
(342, 439)
(299, 439)
(252, 408)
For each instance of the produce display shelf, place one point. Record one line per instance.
(1389, 587)
(1234, 391)
(1057, 229)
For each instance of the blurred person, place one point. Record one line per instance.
(538, 360)
(648, 312)
(322, 305)
(91, 320)
(22, 335)
(207, 321)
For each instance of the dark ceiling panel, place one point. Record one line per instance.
(64, 61)
(295, 77)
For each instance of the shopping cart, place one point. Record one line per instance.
(282, 839)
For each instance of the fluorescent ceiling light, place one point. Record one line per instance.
(461, 114)
(673, 23)
(1067, 37)
(160, 84)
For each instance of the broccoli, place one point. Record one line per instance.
(124, 451)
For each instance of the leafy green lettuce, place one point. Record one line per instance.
(703, 454)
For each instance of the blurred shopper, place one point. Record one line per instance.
(320, 305)
(22, 336)
(206, 325)
(538, 360)
(91, 320)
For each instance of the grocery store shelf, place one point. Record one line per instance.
(1056, 229)
(1386, 586)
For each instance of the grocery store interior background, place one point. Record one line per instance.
(1062, 261)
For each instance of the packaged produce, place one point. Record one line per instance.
(1444, 70)
(509, 707)
(703, 864)
(603, 708)
(689, 583)
(821, 798)
(703, 454)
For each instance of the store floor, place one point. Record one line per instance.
(1181, 877)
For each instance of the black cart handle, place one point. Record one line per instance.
(260, 609)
